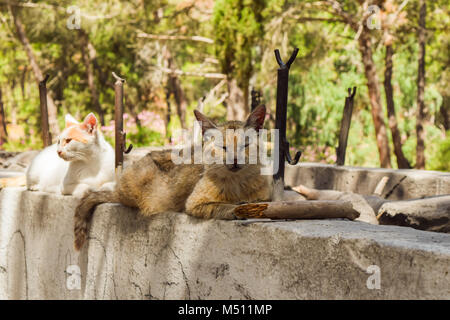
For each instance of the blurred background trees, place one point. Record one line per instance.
(172, 53)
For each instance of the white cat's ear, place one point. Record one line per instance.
(70, 121)
(205, 122)
(256, 119)
(90, 123)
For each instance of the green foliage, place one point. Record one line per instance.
(145, 137)
(245, 34)
(441, 159)
(238, 26)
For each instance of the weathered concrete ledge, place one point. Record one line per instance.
(402, 184)
(175, 256)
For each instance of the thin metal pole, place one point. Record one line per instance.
(118, 121)
(46, 135)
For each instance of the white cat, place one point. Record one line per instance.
(81, 160)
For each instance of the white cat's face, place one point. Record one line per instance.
(77, 139)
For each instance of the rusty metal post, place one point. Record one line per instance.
(345, 127)
(46, 135)
(281, 145)
(119, 134)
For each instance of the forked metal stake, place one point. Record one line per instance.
(281, 144)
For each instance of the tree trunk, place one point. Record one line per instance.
(22, 82)
(169, 112)
(52, 110)
(365, 47)
(180, 98)
(420, 115)
(174, 86)
(3, 132)
(89, 55)
(402, 162)
(237, 101)
(13, 104)
(445, 112)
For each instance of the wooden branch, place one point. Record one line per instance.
(337, 8)
(380, 186)
(193, 74)
(142, 34)
(53, 7)
(315, 209)
(214, 90)
(29, 4)
(314, 19)
(222, 98)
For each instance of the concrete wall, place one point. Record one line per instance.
(175, 256)
(406, 184)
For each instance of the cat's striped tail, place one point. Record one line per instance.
(84, 211)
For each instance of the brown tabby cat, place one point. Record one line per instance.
(155, 184)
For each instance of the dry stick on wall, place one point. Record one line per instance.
(315, 209)
(120, 136)
(345, 127)
(46, 136)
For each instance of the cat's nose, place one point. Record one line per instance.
(59, 152)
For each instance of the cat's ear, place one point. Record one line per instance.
(90, 123)
(205, 122)
(70, 121)
(256, 119)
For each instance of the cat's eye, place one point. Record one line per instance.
(68, 141)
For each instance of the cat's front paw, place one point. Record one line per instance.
(33, 188)
(81, 192)
(108, 186)
(77, 191)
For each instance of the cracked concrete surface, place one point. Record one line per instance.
(175, 256)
